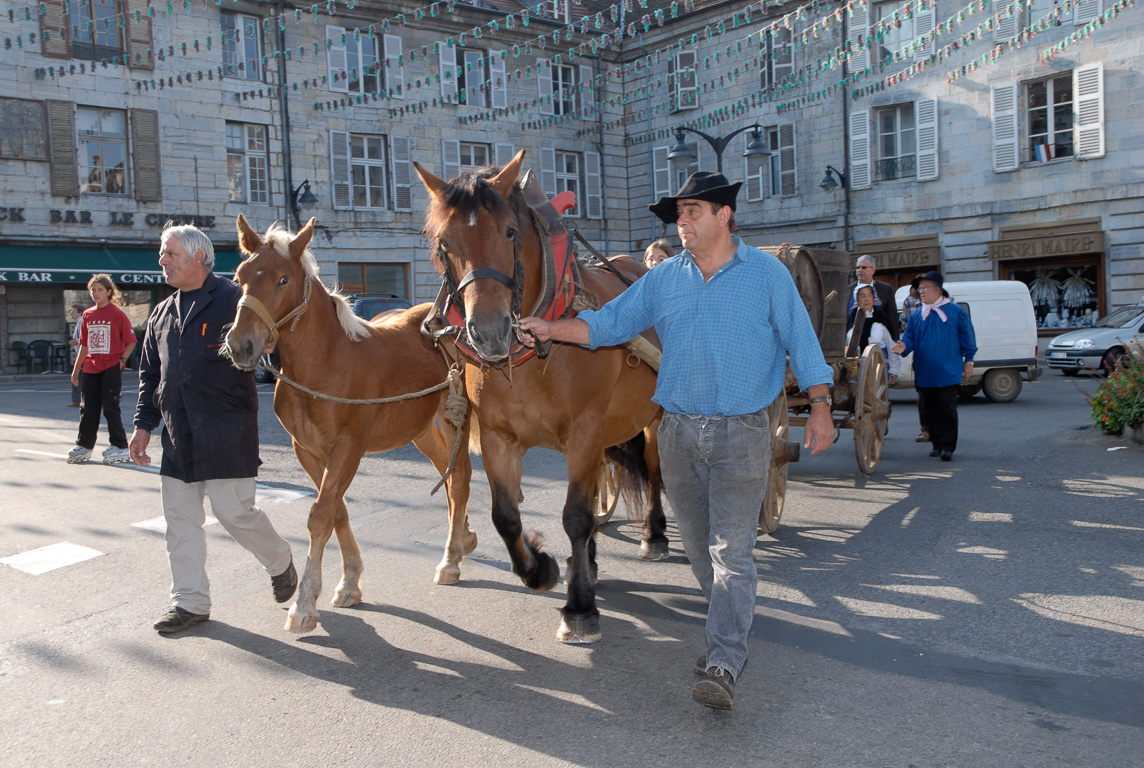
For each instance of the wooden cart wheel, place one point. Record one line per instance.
(781, 456)
(871, 409)
(607, 491)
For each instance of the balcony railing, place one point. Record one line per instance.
(896, 168)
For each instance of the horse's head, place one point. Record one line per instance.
(474, 234)
(276, 277)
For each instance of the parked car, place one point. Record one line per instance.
(1099, 347)
(1006, 329)
(370, 305)
(262, 374)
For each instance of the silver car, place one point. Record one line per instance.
(1099, 347)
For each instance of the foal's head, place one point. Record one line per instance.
(278, 277)
(475, 239)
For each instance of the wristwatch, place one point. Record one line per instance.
(820, 399)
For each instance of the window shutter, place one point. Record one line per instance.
(860, 31)
(1088, 90)
(660, 173)
(1006, 155)
(138, 34)
(1006, 28)
(447, 67)
(587, 93)
(860, 171)
(593, 188)
(548, 170)
(450, 158)
(784, 57)
(53, 33)
(340, 173)
(145, 155)
(544, 86)
(336, 60)
(502, 154)
(923, 26)
(401, 168)
(61, 149)
(498, 80)
(1087, 10)
(786, 161)
(686, 81)
(926, 111)
(754, 180)
(394, 72)
(567, 12)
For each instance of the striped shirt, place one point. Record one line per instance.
(725, 341)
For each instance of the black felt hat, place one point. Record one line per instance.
(702, 185)
(934, 277)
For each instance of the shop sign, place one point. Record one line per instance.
(114, 218)
(59, 276)
(922, 257)
(1035, 248)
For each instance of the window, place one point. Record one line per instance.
(563, 90)
(778, 57)
(247, 165)
(682, 82)
(897, 143)
(766, 180)
(1049, 106)
(241, 46)
(387, 279)
(474, 155)
(102, 135)
(576, 172)
(96, 32)
(371, 171)
(367, 171)
(898, 31)
(557, 10)
(1040, 120)
(352, 61)
(472, 72)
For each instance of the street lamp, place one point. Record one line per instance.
(829, 184)
(682, 155)
(303, 197)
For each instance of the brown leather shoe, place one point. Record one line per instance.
(922, 438)
(716, 689)
(178, 619)
(284, 584)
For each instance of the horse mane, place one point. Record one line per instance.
(465, 196)
(279, 238)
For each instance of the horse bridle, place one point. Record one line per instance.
(514, 283)
(257, 307)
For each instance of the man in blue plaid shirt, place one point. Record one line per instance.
(727, 315)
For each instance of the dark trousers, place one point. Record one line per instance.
(940, 404)
(101, 393)
(921, 410)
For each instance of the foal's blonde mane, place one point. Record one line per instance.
(279, 238)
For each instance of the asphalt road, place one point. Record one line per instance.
(986, 612)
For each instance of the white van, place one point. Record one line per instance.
(1006, 329)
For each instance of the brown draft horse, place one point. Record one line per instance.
(330, 350)
(575, 401)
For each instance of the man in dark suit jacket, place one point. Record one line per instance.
(883, 293)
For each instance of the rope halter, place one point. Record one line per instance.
(257, 307)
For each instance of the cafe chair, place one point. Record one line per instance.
(41, 352)
(23, 357)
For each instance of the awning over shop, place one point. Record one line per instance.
(77, 263)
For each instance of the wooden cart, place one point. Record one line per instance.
(859, 395)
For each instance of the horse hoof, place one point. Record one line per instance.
(545, 575)
(469, 541)
(345, 599)
(653, 550)
(300, 625)
(583, 630)
(446, 576)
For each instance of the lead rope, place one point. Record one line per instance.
(456, 405)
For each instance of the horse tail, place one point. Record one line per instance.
(632, 474)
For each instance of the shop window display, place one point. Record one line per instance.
(1063, 296)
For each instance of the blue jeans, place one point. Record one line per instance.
(715, 471)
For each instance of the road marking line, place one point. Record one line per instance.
(51, 557)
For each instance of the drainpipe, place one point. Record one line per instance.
(287, 154)
(846, 240)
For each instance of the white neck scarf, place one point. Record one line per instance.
(935, 307)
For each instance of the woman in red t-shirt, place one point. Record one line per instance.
(106, 340)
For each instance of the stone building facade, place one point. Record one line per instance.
(995, 160)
